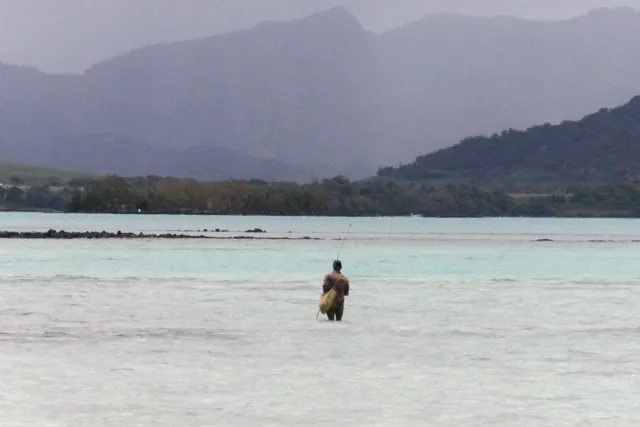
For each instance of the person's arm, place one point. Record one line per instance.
(346, 287)
(326, 284)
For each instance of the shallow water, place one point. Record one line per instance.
(450, 322)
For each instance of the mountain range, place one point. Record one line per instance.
(318, 96)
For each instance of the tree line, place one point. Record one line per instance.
(336, 196)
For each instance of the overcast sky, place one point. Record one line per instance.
(71, 35)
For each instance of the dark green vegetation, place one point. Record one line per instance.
(602, 147)
(331, 197)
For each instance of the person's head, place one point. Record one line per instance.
(337, 265)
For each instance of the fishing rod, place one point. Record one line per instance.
(338, 256)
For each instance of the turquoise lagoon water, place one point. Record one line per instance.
(451, 322)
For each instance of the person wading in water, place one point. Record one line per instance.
(340, 284)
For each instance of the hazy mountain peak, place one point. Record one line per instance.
(613, 12)
(336, 20)
(611, 19)
(452, 22)
(443, 19)
(336, 23)
(334, 15)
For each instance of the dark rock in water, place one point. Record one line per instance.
(544, 240)
(61, 234)
(256, 230)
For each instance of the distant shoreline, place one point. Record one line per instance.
(580, 215)
(336, 197)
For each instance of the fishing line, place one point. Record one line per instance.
(343, 238)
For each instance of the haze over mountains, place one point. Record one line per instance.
(317, 96)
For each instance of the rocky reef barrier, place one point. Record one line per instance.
(68, 235)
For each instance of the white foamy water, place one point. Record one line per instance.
(450, 323)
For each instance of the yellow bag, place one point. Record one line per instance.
(326, 301)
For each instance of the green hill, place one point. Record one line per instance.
(36, 175)
(602, 147)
